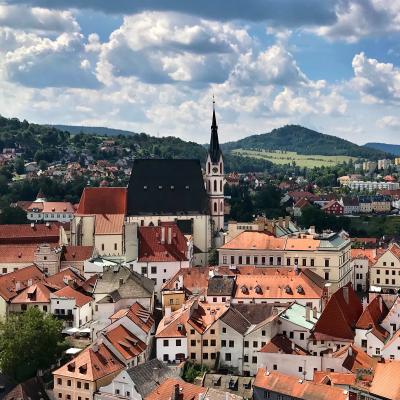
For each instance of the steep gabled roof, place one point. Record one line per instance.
(37, 293)
(282, 344)
(355, 358)
(373, 314)
(187, 391)
(67, 292)
(166, 187)
(339, 317)
(103, 200)
(137, 314)
(29, 233)
(386, 382)
(76, 253)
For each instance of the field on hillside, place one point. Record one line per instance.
(287, 157)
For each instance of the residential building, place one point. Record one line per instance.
(369, 166)
(384, 164)
(371, 186)
(381, 204)
(49, 211)
(346, 179)
(80, 378)
(163, 251)
(35, 296)
(361, 260)
(334, 207)
(236, 385)
(75, 257)
(350, 205)
(385, 272)
(300, 205)
(277, 386)
(72, 307)
(365, 204)
(328, 254)
(138, 381)
(50, 233)
(31, 389)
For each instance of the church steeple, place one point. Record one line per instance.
(215, 151)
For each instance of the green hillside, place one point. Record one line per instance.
(302, 140)
(93, 130)
(388, 148)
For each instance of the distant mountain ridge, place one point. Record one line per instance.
(304, 141)
(93, 130)
(386, 147)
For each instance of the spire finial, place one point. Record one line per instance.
(213, 102)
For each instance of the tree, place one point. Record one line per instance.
(13, 215)
(213, 256)
(28, 342)
(19, 166)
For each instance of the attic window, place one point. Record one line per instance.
(258, 289)
(172, 187)
(288, 289)
(300, 289)
(187, 187)
(160, 187)
(244, 289)
(145, 187)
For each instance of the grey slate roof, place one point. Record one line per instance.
(121, 283)
(221, 286)
(166, 187)
(151, 374)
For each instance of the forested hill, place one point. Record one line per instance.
(388, 148)
(303, 141)
(93, 130)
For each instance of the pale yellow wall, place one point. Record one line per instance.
(109, 241)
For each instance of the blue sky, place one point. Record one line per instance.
(153, 65)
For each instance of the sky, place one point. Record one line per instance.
(154, 65)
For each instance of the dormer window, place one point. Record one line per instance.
(244, 289)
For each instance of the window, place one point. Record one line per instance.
(378, 271)
(178, 342)
(288, 262)
(291, 335)
(255, 344)
(205, 342)
(223, 343)
(301, 335)
(213, 356)
(223, 330)
(275, 367)
(4, 270)
(193, 343)
(102, 246)
(312, 262)
(59, 395)
(386, 272)
(279, 260)
(378, 351)
(213, 342)
(240, 260)
(327, 262)
(300, 369)
(45, 308)
(231, 343)
(115, 246)
(69, 383)
(247, 260)
(304, 262)
(326, 276)
(153, 270)
(271, 261)
(165, 342)
(254, 359)
(228, 357)
(165, 357)
(255, 260)
(59, 381)
(262, 333)
(232, 259)
(224, 259)
(192, 331)
(246, 358)
(128, 394)
(384, 263)
(263, 260)
(78, 384)
(246, 343)
(378, 280)
(87, 385)
(192, 356)
(116, 391)
(393, 272)
(214, 299)
(205, 356)
(364, 343)
(23, 307)
(68, 397)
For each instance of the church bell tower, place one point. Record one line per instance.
(214, 177)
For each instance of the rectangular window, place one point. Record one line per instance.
(246, 358)
(224, 259)
(178, 342)
(232, 259)
(288, 261)
(144, 270)
(378, 271)
(271, 261)
(231, 343)
(87, 385)
(255, 344)
(213, 356)
(223, 343)
(240, 260)
(304, 262)
(165, 357)
(279, 260)
(153, 270)
(205, 356)
(312, 262)
(78, 384)
(327, 262)
(213, 342)
(228, 357)
(246, 343)
(255, 260)
(301, 335)
(115, 246)
(192, 356)
(193, 343)
(263, 260)
(254, 359)
(247, 260)
(165, 342)
(205, 342)
(326, 276)
(223, 330)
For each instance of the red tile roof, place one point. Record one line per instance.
(137, 314)
(280, 343)
(61, 279)
(91, 364)
(369, 254)
(256, 241)
(37, 293)
(373, 314)
(339, 317)
(355, 358)
(292, 386)
(52, 206)
(77, 253)
(334, 378)
(16, 253)
(187, 391)
(70, 293)
(104, 200)
(21, 278)
(386, 382)
(151, 247)
(125, 342)
(29, 233)
(109, 224)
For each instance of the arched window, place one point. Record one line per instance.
(221, 206)
(215, 207)
(208, 168)
(215, 185)
(220, 186)
(220, 167)
(209, 185)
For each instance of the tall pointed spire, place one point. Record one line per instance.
(214, 150)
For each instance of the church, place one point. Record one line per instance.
(159, 191)
(175, 190)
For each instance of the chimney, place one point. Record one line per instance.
(350, 351)
(167, 312)
(29, 282)
(17, 286)
(175, 394)
(312, 230)
(346, 294)
(308, 313)
(169, 234)
(163, 234)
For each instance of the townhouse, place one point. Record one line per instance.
(50, 211)
(385, 272)
(328, 254)
(361, 261)
(333, 207)
(351, 205)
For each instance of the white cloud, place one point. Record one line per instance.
(389, 121)
(376, 82)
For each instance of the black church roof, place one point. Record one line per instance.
(166, 187)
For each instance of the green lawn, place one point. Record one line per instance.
(287, 157)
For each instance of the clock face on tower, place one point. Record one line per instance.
(215, 170)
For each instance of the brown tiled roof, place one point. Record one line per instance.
(151, 248)
(138, 314)
(256, 241)
(109, 224)
(16, 253)
(168, 326)
(125, 342)
(70, 293)
(334, 378)
(77, 253)
(373, 314)
(292, 386)
(52, 207)
(302, 203)
(37, 293)
(104, 200)
(370, 254)
(280, 343)
(61, 279)
(386, 382)
(29, 233)
(355, 358)
(92, 364)
(339, 317)
(9, 282)
(187, 391)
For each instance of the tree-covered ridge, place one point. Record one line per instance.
(387, 147)
(303, 141)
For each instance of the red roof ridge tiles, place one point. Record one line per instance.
(166, 390)
(104, 200)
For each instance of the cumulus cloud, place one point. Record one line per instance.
(376, 82)
(360, 18)
(37, 19)
(389, 121)
(168, 47)
(276, 12)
